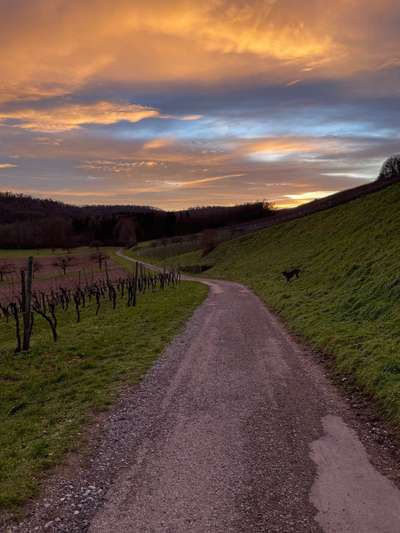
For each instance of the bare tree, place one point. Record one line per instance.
(14, 311)
(46, 308)
(37, 267)
(390, 168)
(5, 269)
(64, 262)
(100, 258)
(26, 299)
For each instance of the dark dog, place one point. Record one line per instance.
(290, 274)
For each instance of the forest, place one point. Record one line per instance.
(27, 222)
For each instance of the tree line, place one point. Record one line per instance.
(26, 222)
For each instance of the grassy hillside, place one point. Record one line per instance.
(347, 301)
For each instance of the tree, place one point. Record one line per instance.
(5, 269)
(100, 258)
(58, 234)
(390, 168)
(125, 231)
(64, 262)
(37, 266)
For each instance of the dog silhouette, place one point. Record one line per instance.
(290, 274)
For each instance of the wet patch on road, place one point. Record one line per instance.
(349, 493)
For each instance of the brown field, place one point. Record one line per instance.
(81, 271)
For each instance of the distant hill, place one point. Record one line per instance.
(20, 207)
(27, 222)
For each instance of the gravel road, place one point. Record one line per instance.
(249, 437)
(236, 429)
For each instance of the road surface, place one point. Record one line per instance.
(244, 434)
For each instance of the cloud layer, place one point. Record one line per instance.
(186, 103)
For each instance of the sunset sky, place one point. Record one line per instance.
(179, 103)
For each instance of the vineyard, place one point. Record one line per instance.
(49, 393)
(50, 287)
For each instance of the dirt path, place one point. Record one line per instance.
(238, 430)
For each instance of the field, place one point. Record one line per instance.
(346, 303)
(41, 252)
(48, 393)
(80, 268)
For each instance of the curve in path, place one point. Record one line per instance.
(244, 433)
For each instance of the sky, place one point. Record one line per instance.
(188, 103)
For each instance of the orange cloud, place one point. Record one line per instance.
(155, 186)
(72, 116)
(119, 167)
(199, 181)
(155, 144)
(308, 196)
(294, 200)
(277, 148)
(52, 48)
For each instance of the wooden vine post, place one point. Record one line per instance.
(26, 289)
(135, 284)
(106, 269)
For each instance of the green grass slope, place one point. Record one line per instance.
(347, 301)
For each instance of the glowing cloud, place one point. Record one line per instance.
(308, 196)
(200, 181)
(156, 144)
(78, 42)
(71, 116)
(275, 149)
